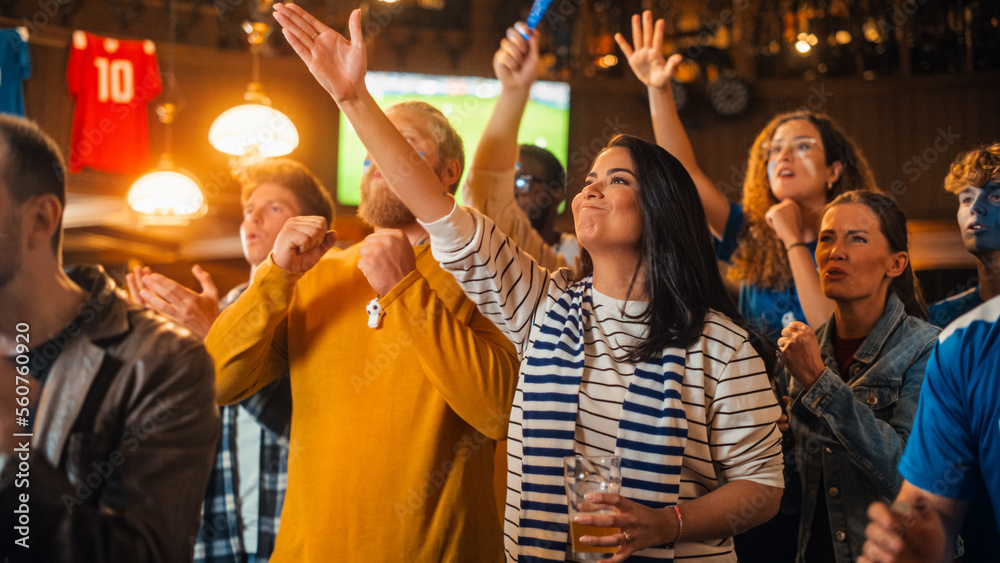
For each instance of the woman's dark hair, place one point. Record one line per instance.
(682, 276)
(892, 224)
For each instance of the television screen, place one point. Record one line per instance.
(467, 102)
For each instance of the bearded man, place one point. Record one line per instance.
(400, 387)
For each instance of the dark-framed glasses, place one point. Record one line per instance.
(523, 182)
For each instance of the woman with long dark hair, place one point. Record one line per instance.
(645, 356)
(854, 382)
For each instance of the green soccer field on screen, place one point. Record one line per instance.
(467, 103)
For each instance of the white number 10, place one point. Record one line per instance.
(119, 76)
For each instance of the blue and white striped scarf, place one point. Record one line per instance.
(652, 431)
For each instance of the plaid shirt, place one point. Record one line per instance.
(220, 538)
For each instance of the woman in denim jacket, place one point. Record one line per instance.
(853, 384)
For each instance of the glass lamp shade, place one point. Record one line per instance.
(167, 194)
(253, 129)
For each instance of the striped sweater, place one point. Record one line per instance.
(685, 423)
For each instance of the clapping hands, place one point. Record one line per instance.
(197, 311)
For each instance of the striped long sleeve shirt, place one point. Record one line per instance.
(727, 400)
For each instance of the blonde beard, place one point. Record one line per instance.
(381, 208)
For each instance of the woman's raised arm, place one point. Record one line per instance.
(340, 66)
(645, 56)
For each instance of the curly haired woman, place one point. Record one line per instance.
(799, 162)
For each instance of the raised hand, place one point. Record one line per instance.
(197, 311)
(802, 356)
(645, 55)
(516, 61)
(338, 64)
(386, 258)
(301, 243)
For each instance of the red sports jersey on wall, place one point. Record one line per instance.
(112, 82)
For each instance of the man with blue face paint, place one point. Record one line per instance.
(975, 178)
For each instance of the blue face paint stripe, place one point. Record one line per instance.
(987, 239)
(770, 167)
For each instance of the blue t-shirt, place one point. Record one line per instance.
(947, 310)
(15, 68)
(769, 310)
(954, 448)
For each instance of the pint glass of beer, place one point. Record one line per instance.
(585, 475)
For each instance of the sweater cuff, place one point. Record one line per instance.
(275, 283)
(399, 288)
(452, 231)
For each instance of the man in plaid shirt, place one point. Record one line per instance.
(246, 489)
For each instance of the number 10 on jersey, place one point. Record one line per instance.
(115, 80)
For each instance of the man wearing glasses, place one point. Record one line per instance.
(539, 180)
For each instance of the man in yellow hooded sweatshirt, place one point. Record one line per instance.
(400, 387)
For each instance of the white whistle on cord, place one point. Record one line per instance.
(375, 312)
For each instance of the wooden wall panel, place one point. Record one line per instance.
(909, 130)
(894, 120)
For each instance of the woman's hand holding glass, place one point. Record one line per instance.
(645, 527)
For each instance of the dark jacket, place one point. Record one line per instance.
(124, 482)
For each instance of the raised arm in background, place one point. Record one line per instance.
(516, 66)
(645, 56)
(489, 186)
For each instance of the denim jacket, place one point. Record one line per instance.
(852, 435)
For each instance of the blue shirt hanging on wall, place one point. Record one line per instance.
(15, 68)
